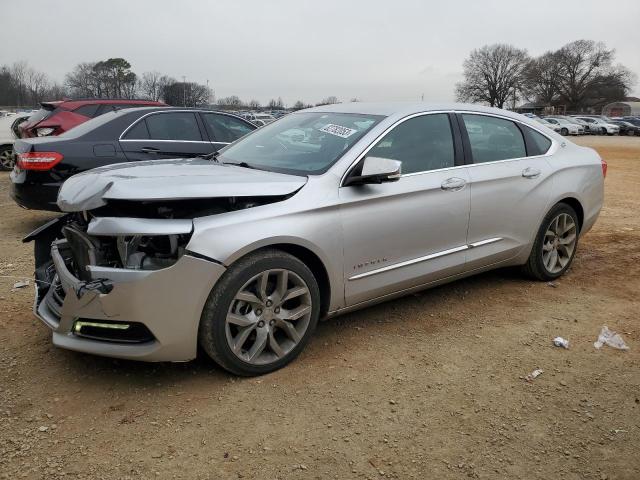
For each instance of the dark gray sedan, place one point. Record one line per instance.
(150, 133)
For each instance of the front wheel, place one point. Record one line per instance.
(261, 314)
(564, 132)
(6, 157)
(555, 244)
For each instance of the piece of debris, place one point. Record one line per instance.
(21, 284)
(552, 284)
(611, 338)
(536, 373)
(561, 342)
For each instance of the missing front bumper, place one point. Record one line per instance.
(167, 303)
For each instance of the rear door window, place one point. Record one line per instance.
(225, 128)
(493, 138)
(173, 126)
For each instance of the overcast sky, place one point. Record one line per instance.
(303, 49)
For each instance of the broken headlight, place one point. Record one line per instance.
(150, 252)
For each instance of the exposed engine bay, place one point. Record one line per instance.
(153, 250)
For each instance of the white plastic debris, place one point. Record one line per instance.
(535, 374)
(21, 284)
(611, 338)
(561, 342)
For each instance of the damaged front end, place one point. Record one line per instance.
(115, 277)
(120, 286)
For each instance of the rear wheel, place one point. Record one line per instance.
(6, 157)
(603, 131)
(261, 314)
(555, 244)
(564, 132)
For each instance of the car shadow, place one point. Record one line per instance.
(372, 320)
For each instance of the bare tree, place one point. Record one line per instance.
(299, 105)
(276, 104)
(152, 85)
(19, 76)
(37, 85)
(583, 67)
(329, 101)
(253, 104)
(111, 78)
(492, 74)
(232, 101)
(540, 81)
(81, 81)
(186, 94)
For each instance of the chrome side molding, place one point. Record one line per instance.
(425, 258)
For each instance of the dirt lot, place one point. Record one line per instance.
(429, 386)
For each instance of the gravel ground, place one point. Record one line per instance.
(428, 386)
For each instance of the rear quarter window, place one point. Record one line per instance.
(87, 110)
(138, 131)
(537, 143)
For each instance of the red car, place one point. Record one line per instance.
(55, 118)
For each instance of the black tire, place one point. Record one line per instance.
(535, 267)
(603, 131)
(564, 132)
(6, 157)
(212, 331)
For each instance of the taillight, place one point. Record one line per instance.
(38, 160)
(604, 168)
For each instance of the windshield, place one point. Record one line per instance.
(300, 143)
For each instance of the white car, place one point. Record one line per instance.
(555, 127)
(8, 137)
(600, 126)
(566, 127)
(259, 119)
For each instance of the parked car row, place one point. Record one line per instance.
(321, 212)
(590, 124)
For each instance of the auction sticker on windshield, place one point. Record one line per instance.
(338, 130)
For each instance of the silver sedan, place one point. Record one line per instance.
(319, 213)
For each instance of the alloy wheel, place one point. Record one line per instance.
(268, 316)
(6, 159)
(559, 243)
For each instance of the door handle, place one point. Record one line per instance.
(453, 184)
(531, 172)
(150, 150)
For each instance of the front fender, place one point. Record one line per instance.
(317, 231)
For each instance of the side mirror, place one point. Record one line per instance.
(375, 170)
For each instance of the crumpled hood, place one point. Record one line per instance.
(170, 180)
